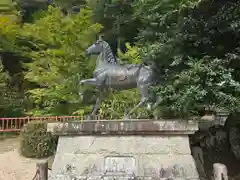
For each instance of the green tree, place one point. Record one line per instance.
(188, 45)
(4, 88)
(116, 16)
(59, 61)
(8, 31)
(11, 100)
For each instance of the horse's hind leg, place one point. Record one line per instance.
(91, 81)
(144, 98)
(159, 100)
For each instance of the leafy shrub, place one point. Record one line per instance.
(36, 142)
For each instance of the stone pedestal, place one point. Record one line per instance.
(134, 149)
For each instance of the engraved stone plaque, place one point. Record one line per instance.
(119, 165)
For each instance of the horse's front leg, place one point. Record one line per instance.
(97, 103)
(96, 106)
(91, 81)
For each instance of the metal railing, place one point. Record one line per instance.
(15, 124)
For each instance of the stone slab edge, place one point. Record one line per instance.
(123, 127)
(62, 177)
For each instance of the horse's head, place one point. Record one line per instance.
(96, 48)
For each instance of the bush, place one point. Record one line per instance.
(36, 142)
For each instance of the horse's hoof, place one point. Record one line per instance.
(80, 95)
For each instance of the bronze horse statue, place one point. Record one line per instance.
(108, 74)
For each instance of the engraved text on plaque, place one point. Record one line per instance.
(120, 165)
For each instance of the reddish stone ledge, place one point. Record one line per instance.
(123, 127)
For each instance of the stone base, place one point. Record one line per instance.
(152, 156)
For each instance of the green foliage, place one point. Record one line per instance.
(59, 61)
(191, 50)
(116, 16)
(7, 7)
(158, 36)
(8, 95)
(131, 56)
(69, 4)
(8, 32)
(36, 142)
(3, 87)
(12, 99)
(205, 83)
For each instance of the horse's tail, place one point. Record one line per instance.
(156, 81)
(155, 76)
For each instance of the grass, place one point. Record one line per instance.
(8, 135)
